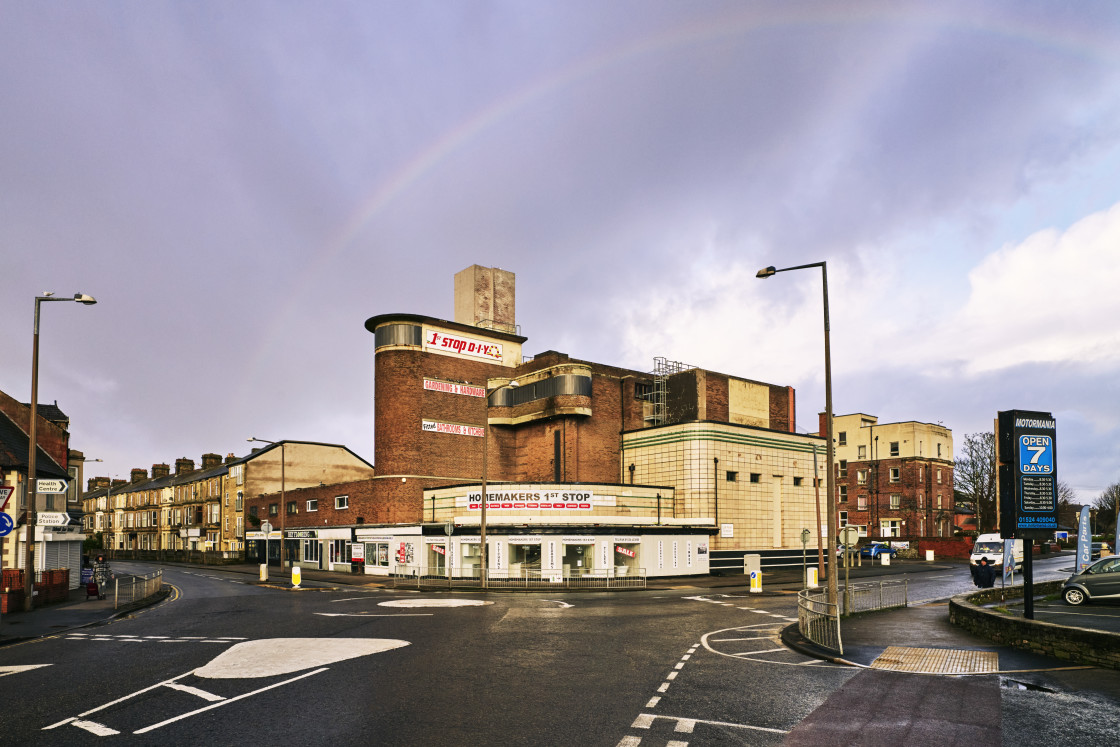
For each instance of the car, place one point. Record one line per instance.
(875, 549)
(1101, 580)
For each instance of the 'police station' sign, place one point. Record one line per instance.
(1028, 474)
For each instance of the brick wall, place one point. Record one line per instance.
(361, 504)
(52, 439)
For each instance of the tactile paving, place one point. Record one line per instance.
(936, 660)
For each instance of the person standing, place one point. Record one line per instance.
(984, 576)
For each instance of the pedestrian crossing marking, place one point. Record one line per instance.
(936, 660)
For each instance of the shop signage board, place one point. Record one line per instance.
(623, 551)
(437, 341)
(1028, 475)
(357, 553)
(450, 387)
(455, 429)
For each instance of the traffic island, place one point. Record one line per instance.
(1077, 645)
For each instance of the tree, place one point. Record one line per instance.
(1106, 504)
(976, 478)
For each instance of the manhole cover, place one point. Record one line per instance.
(936, 660)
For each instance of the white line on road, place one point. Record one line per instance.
(197, 692)
(367, 614)
(653, 701)
(645, 721)
(95, 728)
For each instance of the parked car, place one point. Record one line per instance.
(875, 549)
(1101, 580)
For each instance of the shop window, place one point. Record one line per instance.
(732, 476)
(310, 551)
(341, 501)
(312, 504)
(340, 551)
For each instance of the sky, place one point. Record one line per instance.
(241, 185)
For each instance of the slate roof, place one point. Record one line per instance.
(13, 451)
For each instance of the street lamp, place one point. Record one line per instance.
(484, 558)
(829, 447)
(283, 508)
(32, 449)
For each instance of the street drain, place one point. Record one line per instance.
(936, 660)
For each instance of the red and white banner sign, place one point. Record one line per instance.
(456, 429)
(443, 343)
(439, 548)
(452, 388)
(623, 551)
(546, 500)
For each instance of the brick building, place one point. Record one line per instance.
(893, 479)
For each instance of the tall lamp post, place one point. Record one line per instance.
(283, 507)
(830, 450)
(32, 449)
(484, 557)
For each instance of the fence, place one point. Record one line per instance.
(128, 589)
(414, 577)
(818, 620)
(199, 557)
(868, 597)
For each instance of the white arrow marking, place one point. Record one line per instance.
(270, 657)
(557, 601)
(22, 668)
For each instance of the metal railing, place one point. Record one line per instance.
(128, 589)
(415, 577)
(818, 620)
(871, 596)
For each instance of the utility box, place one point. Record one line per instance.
(752, 562)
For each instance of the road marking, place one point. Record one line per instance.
(936, 660)
(630, 742)
(563, 605)
(434, 603)
(371, 614)
(16, 669)
(99, 729)
(653, 701)
(645, 721)
(196, 691)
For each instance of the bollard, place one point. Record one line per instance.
(929, 555)
(264, 571)
(756, 582)
(295, 576)
(811, 577)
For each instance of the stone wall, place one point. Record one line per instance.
(1079, 645)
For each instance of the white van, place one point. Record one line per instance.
(990, 546)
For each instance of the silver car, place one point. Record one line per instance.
(1101, 580)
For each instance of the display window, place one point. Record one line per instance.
(578, 559)
(626, 558)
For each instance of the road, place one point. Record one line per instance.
(223, 661)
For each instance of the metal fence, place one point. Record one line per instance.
(818, 620)
(871, 596)
(128, 589)
(414, 577)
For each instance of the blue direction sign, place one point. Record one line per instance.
(6, 525)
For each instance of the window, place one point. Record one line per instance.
(843, 436)
(313, 504)
(939, 476)
(732, 476)
(341, 501)
(240, 527)
(921, 500)
(274, 509)
(843, 493)
(292, 508)
(921, 473)
(311, 550)
(756, 477)
(797, 482)
(643, 390)
(237, 502)
(895, 474)
(862, 452)
(843, 518)
(861, 503)
(939, 451)
(843, 467)
(252, 510)
(890, 528)
(896, 501)
(861, 476)
(939, 500)
(894, 448)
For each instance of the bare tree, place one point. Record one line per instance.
(975, 477)
(1106, 504)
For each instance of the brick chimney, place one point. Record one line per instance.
(119, 483)
(211, 460)
(231, 457)
(160, 470)
(139, 475)
(97, 483)
(183, 466)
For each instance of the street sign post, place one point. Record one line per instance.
(5, 493)
(51, 486)
(6, 525)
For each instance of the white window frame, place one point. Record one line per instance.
(341, 502)
(312, 504)
(896, 474)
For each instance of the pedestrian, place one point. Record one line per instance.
(984, 575)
